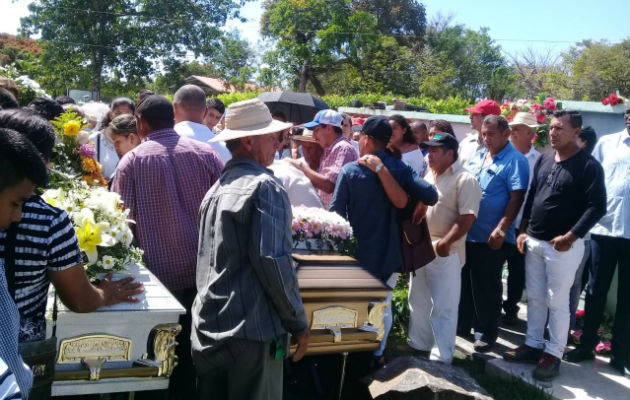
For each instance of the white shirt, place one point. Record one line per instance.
(532, 156)
(415, 159)
(105, 153)
(468, 147)
(613, 153)
(202, 133)
(300, 189)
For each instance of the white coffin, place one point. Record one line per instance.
(126, 328)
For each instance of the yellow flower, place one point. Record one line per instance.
(71, 128)
(89, 235)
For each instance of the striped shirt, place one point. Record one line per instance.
(9, 388)
(162, 183)
(333, 158)
(45, 241)
(9, 328)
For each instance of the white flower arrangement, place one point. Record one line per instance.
(101, 225)
(324, 228)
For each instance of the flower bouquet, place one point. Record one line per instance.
(101, 226)
(317, 229)
(73, 159)
(613, 99)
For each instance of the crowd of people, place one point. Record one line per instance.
(210, 190)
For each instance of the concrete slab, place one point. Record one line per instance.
(583, 381)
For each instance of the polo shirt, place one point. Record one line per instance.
(468, 147)
(508, 171)
(459, 193)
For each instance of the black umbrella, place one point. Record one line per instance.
(297, 107)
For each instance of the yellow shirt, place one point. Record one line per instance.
(459, 193)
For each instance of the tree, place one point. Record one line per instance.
(125, 39)
(599, 69)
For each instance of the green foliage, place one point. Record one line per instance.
(229, 98)
(450, 105)
(123, 39)
(400, 303)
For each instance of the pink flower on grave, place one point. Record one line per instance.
(602, 346)
(576, 335)
(579, 313)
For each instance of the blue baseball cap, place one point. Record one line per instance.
(325, 117)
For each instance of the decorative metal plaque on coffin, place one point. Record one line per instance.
(336, 316)
(94, 346)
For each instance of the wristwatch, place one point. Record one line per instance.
(379, 168)
(500, 232)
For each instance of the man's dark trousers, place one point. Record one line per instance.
(485, 280)
(607, 252)
(515, 281)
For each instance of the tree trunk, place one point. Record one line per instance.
(97, 70)
(318, 85)
(303, 77)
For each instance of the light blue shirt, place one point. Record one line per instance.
(613, 153)
(509, 171)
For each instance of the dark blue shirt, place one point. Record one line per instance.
(360, 198)
(508, 171)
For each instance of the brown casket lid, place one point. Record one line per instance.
(336, 277)
(320, 259)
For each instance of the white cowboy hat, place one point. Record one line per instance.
(525, 118)
(249, 118)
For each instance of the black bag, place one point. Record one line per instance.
(417, 248)
(40, 356)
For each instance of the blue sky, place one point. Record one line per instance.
(551, 26)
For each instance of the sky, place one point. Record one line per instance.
(516, 26)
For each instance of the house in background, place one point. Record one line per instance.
(215, 86)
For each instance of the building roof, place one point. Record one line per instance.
(216, 85)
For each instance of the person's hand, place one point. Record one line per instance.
(297, 164)
(442, 248)
(562, 242)
(520, 242)
(120, 291)
(419, 213)
(371, 161)
(302, 345)
(495, 241)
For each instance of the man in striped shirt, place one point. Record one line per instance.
(44, 249)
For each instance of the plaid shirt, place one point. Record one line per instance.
(334, 157)
(162, 182)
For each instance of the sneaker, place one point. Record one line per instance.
(523, 353)
(579, 354)
(548, 368)
(481, 346)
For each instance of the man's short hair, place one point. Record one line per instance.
(32, 126)
(65, 100)
(216, 104)
(589, 137)
(47, 108)
(418, 125)
(19, 160)
(501, 122)
(157, 111)
(143, 94)
(442, 125)
(7, 100)
(123, 101)
(190, 97)
(575, 118)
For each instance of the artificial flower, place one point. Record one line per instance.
(603, 346)
(87, 150)
(579, 313)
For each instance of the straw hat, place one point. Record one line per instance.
(525, 118)
(306, 136)
(249, 118)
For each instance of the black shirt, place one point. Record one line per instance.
(565, 196)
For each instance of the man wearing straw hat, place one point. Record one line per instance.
(247, 292)
(523, 127)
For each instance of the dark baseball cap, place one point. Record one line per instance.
(155, 107)
(377, 128)
(442, 139)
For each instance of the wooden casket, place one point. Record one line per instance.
(126, 347)
(343, 304)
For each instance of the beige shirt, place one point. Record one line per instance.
(459, 193)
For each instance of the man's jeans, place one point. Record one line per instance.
(433, 302)
(388, 318)
(549, 276)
